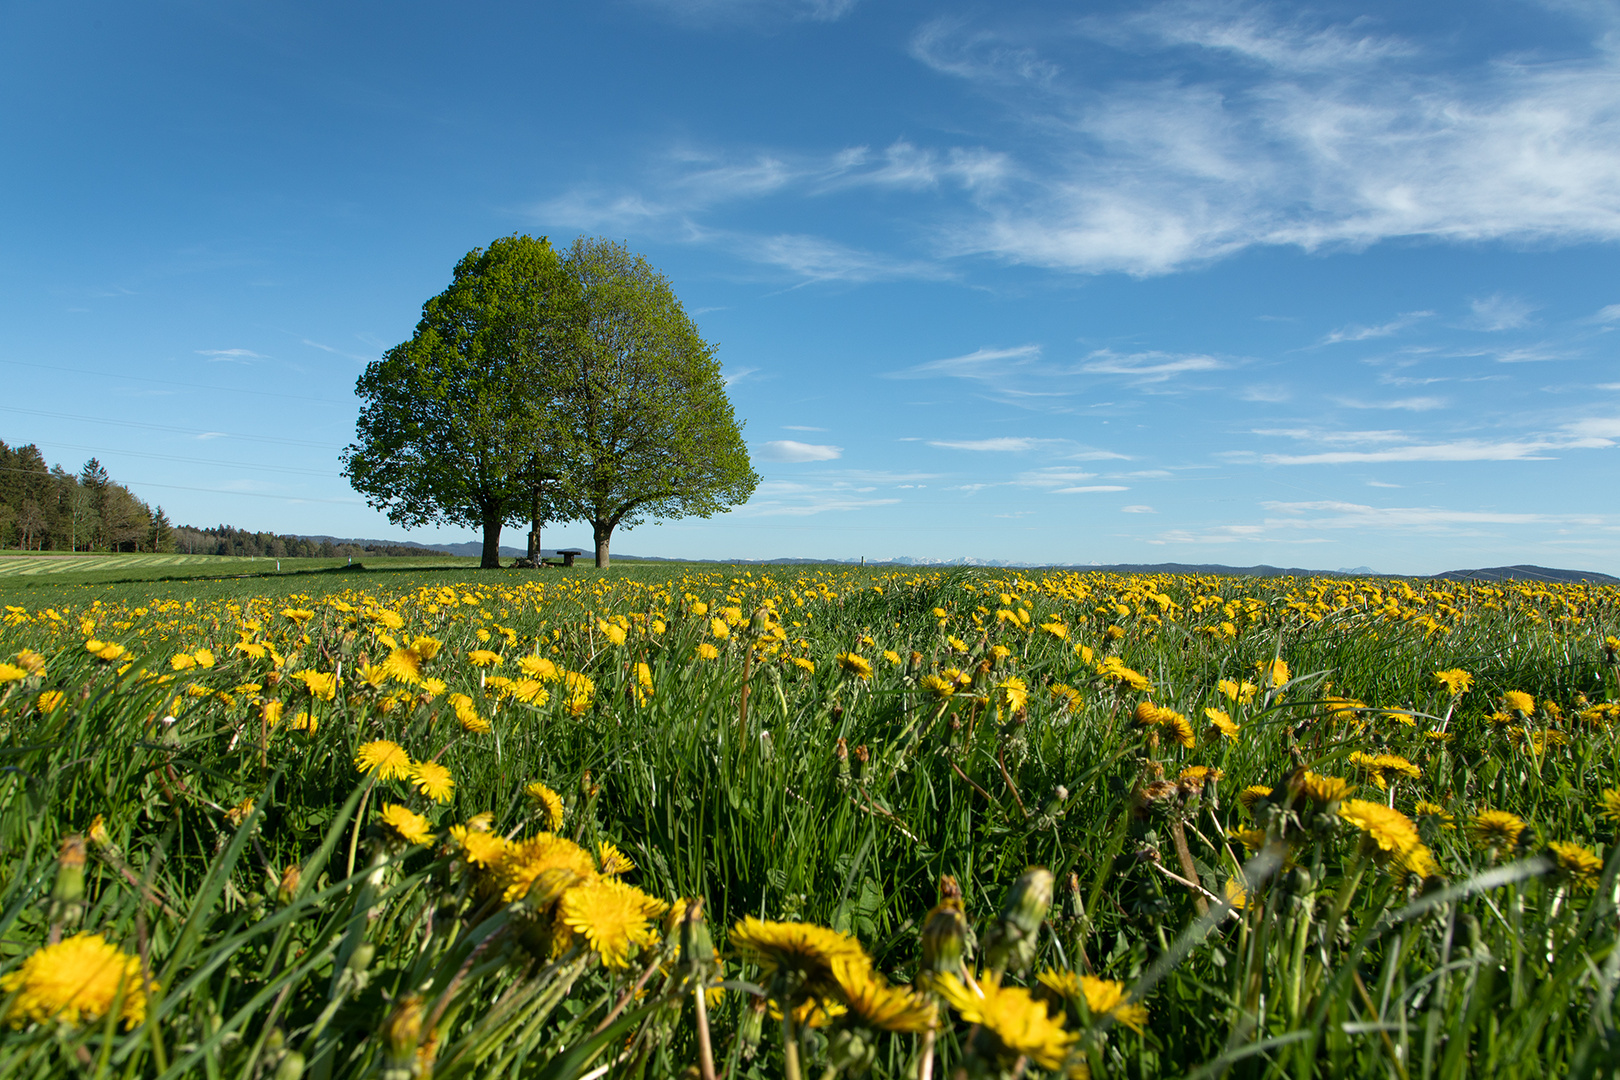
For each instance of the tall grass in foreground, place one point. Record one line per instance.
(1336, 865)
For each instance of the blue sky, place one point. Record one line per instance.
(1314, 285)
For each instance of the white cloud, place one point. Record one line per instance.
(947, 46)
(1147, 366)
(234, 356)
(1088, 489)
(754, 11)
(1362, 333)
(790, 451)
(1500, 312)
(1009, 444)
(1054, 477)
(1137, 509)
(1411, 404)
(985, 363)
(733, 375)
(1608, 314)
(801, 427)
(1323, 136)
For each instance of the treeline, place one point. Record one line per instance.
(226, 540)
(47, 508)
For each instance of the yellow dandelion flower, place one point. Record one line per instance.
(405, 666)
(1253, 794)
(30, 661)
(1393, 832)
(807, 666)
(580, 690)
(801, 949)
(1435, 810)
(855, 665)
(1497, 828)
(1222, 721)
(432, 780)
(1019, 1025)
(529, 691)
(50, 700)
(484, 658)
(177, 662)
(1519, 702)
(321, 684)
(1323, 790)
(76, 982)
(239, 813)
(303, 722)
(1273, 673)
(615, 918)
(612, 631)
(1610, 799)
(524, 862)
(410, 827)
(1102, 997)
(549, 802)
(298, 616)
(938, 687)
(1580, 865)
(541, 668)
(1455, 680)
(467, 714)
(388, 760)
(481, 849)
(874, 1004)
(612, 861)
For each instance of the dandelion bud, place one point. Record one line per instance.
(751, 1028)
(67, 895)
(402, 1031)
(944, 937)
(850, 1050)
(697, 946)
(361, 958)
(762, 621)
(98, 834)
(1011, 942)
(291, 1067)
(548, 886)
(287, 890)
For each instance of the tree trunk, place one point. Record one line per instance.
(492, 542)
(602, 531)
(534, 531)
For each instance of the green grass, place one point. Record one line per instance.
(838, 800)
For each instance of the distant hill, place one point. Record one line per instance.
(1529, 573)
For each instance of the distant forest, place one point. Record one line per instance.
(46, 508)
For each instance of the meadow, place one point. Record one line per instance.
(804, 822)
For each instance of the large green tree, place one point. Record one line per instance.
(646, 429)
(455, 423)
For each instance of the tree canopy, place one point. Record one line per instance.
(455, 420)
(553, 387)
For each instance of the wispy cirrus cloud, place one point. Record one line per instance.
(1363, 333)
(231, 356)
(789, 450)
(1021, 444)
(1384, 447)
(1498, 312)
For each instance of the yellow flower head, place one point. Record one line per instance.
(541, 668)
(549, 803)
(876, 1005)
(481, 849)
(1322, 790)
(467, 714)
(432, 780)
(1222, 722)
(1102, 997)
(1394, 834)
(321, 684)
(30, 661)
(484, 658)
(1497, 828)
(76, 982)
(410, 827)
(938, 687)
(1012, 692)
(1577, 863)
(615, 918)
(1019, 1025)
(526, 860)
(707, 651)
(405, 666)
(1252, 794)
(1610, 799)
(855, 665)
(612, 861)
(1517, 701)
(1455, 680)
(580, 689)
(1273, 673)
(387, 759)
(804, 949)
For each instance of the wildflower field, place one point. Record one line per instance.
(808, 822)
